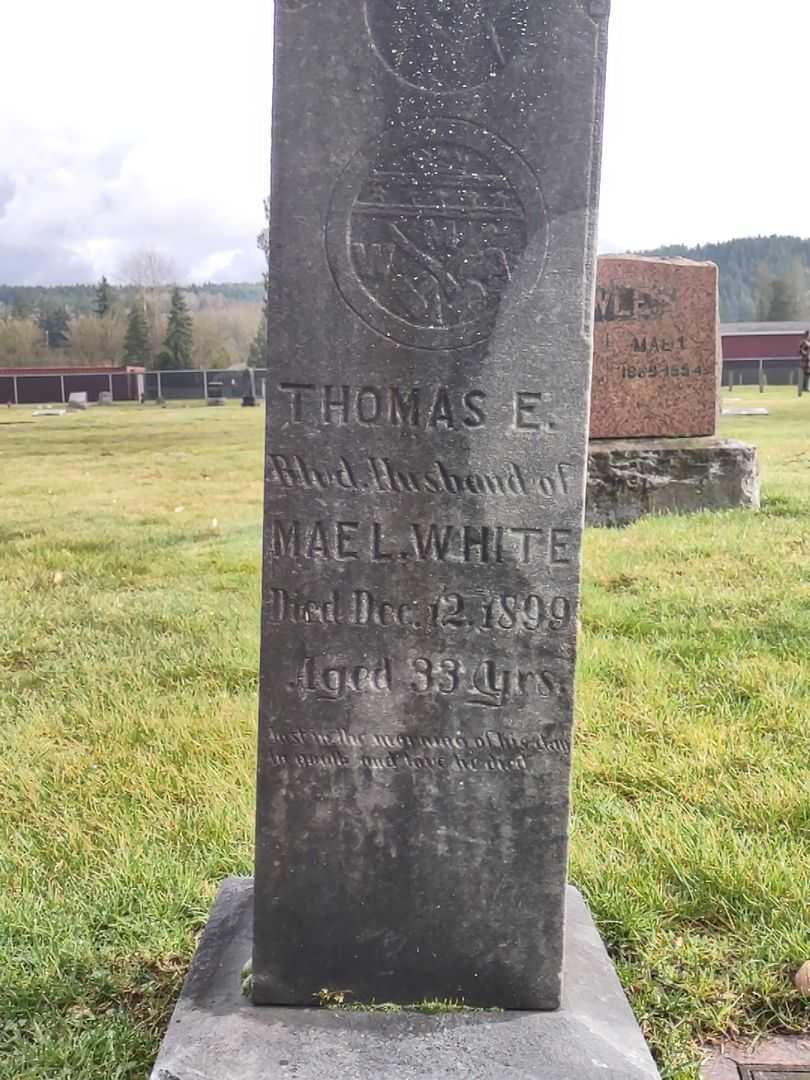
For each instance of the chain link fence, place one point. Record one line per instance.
(194, 385)
(48, 387)
(762, 372)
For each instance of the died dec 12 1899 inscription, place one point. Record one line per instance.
(424, 497)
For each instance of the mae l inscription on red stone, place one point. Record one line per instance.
(656, 349)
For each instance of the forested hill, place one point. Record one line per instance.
(761, 277)
(79, 299)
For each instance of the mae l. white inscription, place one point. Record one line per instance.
(348, 541)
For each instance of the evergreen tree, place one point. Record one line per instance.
(176, 352)
(258, 356)
(764, 291)
(136, 340)
(102, 305)
(784, 303)
(54, 322)
(747, 268)
(21, 307)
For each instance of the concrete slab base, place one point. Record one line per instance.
(217, 1034)
(774, 1054)
(631, 478)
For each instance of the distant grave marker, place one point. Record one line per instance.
(655, 396)
(216, 393)
(656, 365)
(249, 387)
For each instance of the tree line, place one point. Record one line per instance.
(144, 321)
(762, 278)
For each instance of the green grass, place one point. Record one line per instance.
(129, 562)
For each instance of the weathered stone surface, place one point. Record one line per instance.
(435, 176)
(657, 356)
(630, 478)
(217, 1034)
(78, 400)
(735, 1060)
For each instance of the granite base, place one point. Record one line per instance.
(218, 1034)
(631, 478)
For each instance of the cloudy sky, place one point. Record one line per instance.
(146, 125)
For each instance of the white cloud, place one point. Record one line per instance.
(130, 126)
(704, 134)
(123, 128)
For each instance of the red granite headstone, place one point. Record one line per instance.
(656, 348)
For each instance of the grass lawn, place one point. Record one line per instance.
(129, 595)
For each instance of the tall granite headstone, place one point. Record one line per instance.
(435, 179)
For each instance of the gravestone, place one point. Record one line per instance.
(435, 183)
(105, 397)
(633, 478)
(215, 393)
(657, 355)
(78, 400)
(248, 387)
(655, 395)
(435, 179)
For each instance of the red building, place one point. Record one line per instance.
(772, 346)
(43, 385)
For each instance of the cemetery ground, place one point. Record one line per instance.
(129, 592)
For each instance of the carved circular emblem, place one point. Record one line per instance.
(447, 45)
(426, 228)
